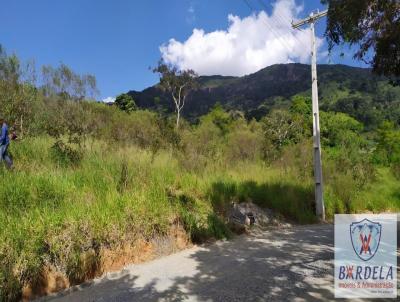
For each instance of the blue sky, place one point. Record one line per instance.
(119, 40)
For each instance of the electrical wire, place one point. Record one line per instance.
(283, 22)
(276, 34)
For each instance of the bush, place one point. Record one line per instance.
(281, 128)
(396, 170)
(388, 148)
(297, 160)
(339, 129)
(243, 144)
(65, 154)
(201, 146)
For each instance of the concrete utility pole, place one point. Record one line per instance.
(319, 199)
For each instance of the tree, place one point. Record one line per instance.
(373, 25)
(301, 105)
(179, 83)
(18, 94)
(125, 102)
(65, 83)
(219, 117)
(340, 130)
(388, 149)
(282, 128)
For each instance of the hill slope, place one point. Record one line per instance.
(342, 88)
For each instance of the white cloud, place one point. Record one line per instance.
(248, 44)
(110, 99)
(191, 14)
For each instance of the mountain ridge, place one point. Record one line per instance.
(257, 93)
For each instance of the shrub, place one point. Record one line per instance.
(297, 160)
(65, 154)
(388, 149)
(396, 170)
(243, 144)
(201, 146)
(283, 128)
(339, 129)
(219, 118)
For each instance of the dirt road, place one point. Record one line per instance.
(294, 264)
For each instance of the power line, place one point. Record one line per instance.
(276, 34)
(283, 22)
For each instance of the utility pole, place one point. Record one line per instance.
(319, 199)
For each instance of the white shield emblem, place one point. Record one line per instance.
(365, 237)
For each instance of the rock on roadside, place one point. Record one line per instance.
(246, 214)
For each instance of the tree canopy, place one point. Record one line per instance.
(178, 83)
(64, 82)
(372, 25)
(125, 102)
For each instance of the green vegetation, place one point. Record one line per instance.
(356, 91)
(125, 102)
(178, 83)
(90, 177)
(346, 24)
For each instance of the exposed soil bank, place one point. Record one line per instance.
(108, 260)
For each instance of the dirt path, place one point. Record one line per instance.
(294, 264)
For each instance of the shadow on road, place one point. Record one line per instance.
(293, 264)
(267, 266)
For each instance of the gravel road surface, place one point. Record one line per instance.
(292, 264)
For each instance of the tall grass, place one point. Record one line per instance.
(52, 213)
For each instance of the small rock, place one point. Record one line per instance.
(247, 213)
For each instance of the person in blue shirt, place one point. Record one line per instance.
(4, 143)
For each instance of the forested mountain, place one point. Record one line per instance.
(342, 88)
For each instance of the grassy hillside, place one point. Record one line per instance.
(65, 217)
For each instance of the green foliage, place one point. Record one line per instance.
(178, 83)
(286, 197)
(364, 96)
(301, 105)
(125, 102)
(200, 146)
(359, 22)
(65, 154)
(297, 160)
(219, 117)
(18, 96)
(339, 129)
(70, 124)
(63, 82)
(348, 164)
(396, 170)
(212, 227)
(281, 128)
(244, 144)
(68, 120)
(360, 108)
(380, 196)
(388, 148)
